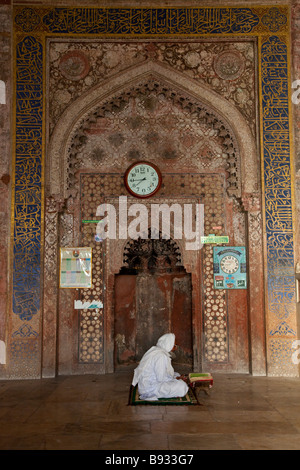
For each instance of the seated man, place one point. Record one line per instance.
(155, 375)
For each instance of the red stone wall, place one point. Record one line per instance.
(295, 75)
(6, 151)
(5, 170)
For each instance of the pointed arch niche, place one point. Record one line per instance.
(67, 176)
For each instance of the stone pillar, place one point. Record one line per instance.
(257, 334)
(49, 360)
(5, 178)
(295, 25)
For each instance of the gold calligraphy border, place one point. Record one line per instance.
(270, 24)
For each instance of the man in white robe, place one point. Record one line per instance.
(155, 375)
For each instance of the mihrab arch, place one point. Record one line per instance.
(62, 189)
(78, 113)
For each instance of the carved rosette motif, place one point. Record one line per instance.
(74, 65)
(229, 65)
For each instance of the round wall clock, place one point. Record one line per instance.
(229, 264)
(142, 179)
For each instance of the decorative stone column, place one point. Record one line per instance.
(257, 334)
(5, 177)
(50, 287)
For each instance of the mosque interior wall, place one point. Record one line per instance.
(196, 106)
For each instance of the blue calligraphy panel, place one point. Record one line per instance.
(137, 21)
(28, 178)
(277, 177)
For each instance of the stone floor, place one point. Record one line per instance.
(91, 412)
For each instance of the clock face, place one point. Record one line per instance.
(142, 179)
(229, 264)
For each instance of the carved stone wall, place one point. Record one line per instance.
(5, 174)
(136, 130)
(105, 101)
(203, 60)
(225, 66)
(152, 122)
(196, 149)
(296, 109)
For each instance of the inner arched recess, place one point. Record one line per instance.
(153, 295)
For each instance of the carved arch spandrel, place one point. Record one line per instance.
(77, 116)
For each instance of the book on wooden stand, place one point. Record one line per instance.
(200, 377)
(201, 381)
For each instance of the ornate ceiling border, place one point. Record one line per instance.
(269, 24)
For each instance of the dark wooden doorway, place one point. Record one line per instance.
(153, 296)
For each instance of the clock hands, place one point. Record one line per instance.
(139, 181)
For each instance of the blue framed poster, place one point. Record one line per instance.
(230, 268)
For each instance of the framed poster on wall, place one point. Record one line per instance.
(230, 268)
(75, 268)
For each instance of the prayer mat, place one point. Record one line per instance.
(189, 399)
